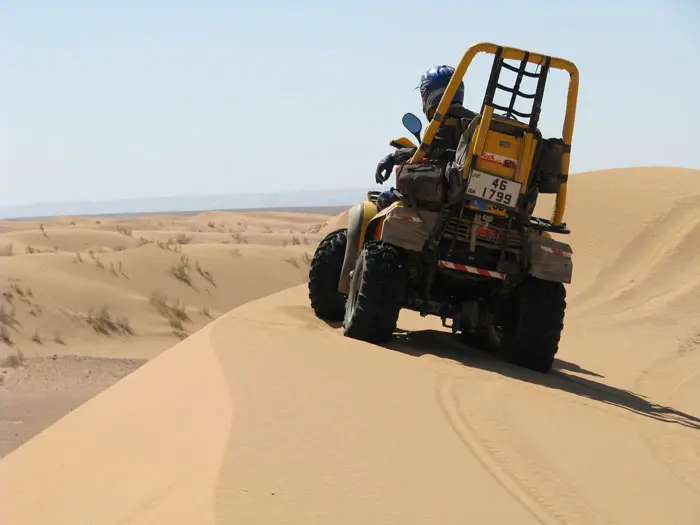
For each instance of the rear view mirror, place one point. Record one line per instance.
(412, 124)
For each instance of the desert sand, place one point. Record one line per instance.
(269, 415)
(85, 301)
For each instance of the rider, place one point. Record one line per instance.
(432, 86)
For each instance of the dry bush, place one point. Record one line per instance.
(125, 325)
(102, 322)
(176, 310)
(180, 334)
(6, 250)
(238, 238)
(181, 271)
(125, 231)
(176, 324)
(181, 239)
(296, 241)
(58, 338)
(36, 337)
(18, 289)
(31, 250)
(207, 275)
(175, 313)
(169, 245)
(5, 336)
(142, 241)
(7, 316)
(315, 228)
(305, 259)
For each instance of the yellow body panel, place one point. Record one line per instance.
(485, 139)
(500, 155)
(402, 142)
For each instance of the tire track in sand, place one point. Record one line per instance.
(675, 443)
(533, 481)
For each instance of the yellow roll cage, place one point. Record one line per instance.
(477, 143)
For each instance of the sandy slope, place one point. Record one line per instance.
(268, 415)
(74, 287)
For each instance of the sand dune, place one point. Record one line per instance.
(268, 415)
(126, 289)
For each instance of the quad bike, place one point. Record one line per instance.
(462, 243)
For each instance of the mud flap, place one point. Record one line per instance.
(408, 228)
(358, 218)
(549, 259)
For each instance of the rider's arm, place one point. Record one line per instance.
(387, 164)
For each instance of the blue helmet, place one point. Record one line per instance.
(432, 85)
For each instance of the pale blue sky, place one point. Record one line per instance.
(111, 100)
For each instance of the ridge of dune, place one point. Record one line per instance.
(268, 414)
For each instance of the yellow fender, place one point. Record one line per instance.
(364, 222)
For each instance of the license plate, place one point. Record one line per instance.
(496, 190)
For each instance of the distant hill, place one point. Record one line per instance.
(322, 201)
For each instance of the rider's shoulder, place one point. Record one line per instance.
(459, 111)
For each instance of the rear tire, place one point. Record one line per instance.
(377, 292)
(532, 328)
(324, 273)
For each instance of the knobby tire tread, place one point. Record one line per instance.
(540, 311)
(381, 294)
(324, 273)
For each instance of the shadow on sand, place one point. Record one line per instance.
(448, 346)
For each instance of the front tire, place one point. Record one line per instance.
(377, 292)
(324, 273)
(532, 328)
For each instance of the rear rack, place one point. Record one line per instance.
(494, 85)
